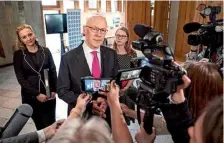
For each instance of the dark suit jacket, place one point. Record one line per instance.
(25, 138)
(74, 66)
(28, 78)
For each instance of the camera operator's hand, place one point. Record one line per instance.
(82, 101)
(99, 107)
(178, 96)
(52, 129)
(142, 136)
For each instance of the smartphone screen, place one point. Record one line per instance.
(94, 85)
(132, 74)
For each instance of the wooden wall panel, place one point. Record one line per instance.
(86, 5)
(186, 14)
(108, 5)
(76, 4)
(119, 5)
(137, 12)
(161, 12)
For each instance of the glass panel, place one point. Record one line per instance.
(49, 2)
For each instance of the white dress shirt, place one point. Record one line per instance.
(89, 55)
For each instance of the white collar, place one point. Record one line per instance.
(86, 48)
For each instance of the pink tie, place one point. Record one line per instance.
(95, 65)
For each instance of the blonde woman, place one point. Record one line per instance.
(29, 63)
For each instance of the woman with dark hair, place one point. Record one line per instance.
(206, 83)
(125, 54)
(30, 61)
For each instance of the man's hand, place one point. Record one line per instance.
(52, 129)
(99, 107)
(42, 98)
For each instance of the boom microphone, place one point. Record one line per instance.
(191, 27)
(141, 30)
(17, 121)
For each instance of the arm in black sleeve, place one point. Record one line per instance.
(64, 84)
(52, 72)
(17, 63)
(25, 138)
(178, 121)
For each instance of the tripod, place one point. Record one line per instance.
(151, 107)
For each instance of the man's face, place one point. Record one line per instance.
(95, 31)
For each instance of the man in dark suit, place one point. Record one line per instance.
(88, 59)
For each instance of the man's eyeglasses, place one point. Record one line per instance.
(95, 30)
(121, 36)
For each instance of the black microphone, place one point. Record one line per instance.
(141, 30)
(191, 27)
(17, 121)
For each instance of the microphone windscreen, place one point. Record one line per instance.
(141, 29)
(191, 27)
(17, 121)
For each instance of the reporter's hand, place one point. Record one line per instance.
(52, 129)
(42, 98)
(82, 101)
(112, 95)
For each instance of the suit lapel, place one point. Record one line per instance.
(80, 56)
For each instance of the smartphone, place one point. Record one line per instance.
(129, 74)
(94, 85)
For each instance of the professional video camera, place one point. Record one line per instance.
(210, 34)
(159, 76)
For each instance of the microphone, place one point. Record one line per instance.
(17, 121)
(191, 27)
(141, 30)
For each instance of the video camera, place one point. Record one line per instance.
(210, 34)
(158, 75)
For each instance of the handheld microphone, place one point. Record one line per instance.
(141, 30)
(17, 121)
(191, 27)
